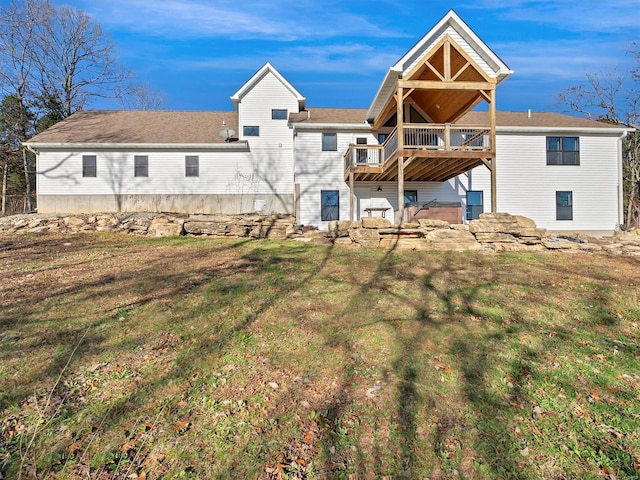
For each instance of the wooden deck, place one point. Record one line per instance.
(432, 152)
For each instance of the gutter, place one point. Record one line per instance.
(365, 127)
(241, 146)
(520, 129)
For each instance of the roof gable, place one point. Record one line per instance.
(451, 24)
(259, 75)
(464, 42)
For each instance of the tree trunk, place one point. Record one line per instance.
(4, 186)
(27, 182)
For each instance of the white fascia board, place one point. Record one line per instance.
(583, 130)
(361, 127)
(267, 67)
(240, 146)
(385, 91)
(452, 19)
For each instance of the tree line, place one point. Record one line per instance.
(614, 97)
(53, 62)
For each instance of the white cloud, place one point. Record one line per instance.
(349, 59)
(285, 20)
(578, 16)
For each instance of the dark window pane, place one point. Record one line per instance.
(554, 144)
(475, 204)
(192, 166)
(571, 144)
(141, 166)
(564, 205)
(89, 168)
(279, 114)
(410, 196)
(251, 131)
(329, 142)
(330, 205)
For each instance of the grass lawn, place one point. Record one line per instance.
(126, 357)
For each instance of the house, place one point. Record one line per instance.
(421, 150)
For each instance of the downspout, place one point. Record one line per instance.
(37, 155)
(620, 181)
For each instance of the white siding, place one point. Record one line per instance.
(527, 186)
(221, 172)
(462, 43)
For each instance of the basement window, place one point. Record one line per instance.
(563, 151)
(141, 166)
(330, 205)
(89, 168)
(564, 205)
(475, 204)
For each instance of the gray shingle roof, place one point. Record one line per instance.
(193, 127)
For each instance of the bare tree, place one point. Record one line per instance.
(77, 60)
(140, 96)
(614, 97)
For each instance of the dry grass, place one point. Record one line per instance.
(125, 357)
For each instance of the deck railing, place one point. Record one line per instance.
(363, 155)
(424, 136)
(446, 137)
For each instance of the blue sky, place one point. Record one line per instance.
(336, 53)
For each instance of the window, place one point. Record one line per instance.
(89, 168)
(564, 205)
(141, 166)
(563, 151)
(475, 204)
(362, 152)
(251, 131)
(279, 114)
(382, 137)
(329, 142)
(191, 166)
(410, 196)
(330, 205)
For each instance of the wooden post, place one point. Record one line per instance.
(492, 139)
(400, 129)
(352, 198)
(400, 215)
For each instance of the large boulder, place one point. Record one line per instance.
(449, 239)
(339, 228)
(162, 227)
(433, 224)
(367, 237)
(375, 222)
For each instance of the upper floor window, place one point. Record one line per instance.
(279, 114)
(251, 131)
(563, 151)
(191, 166)
(89, 168)
(141, 166)
(329, 142)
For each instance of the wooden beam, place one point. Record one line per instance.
(352, 197)
(433, 69)
(435, 85)
(492, 136)
(447, 61)
(400, 213)
(460, 72)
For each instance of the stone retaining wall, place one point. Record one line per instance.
(254, 225)
(493, 232)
